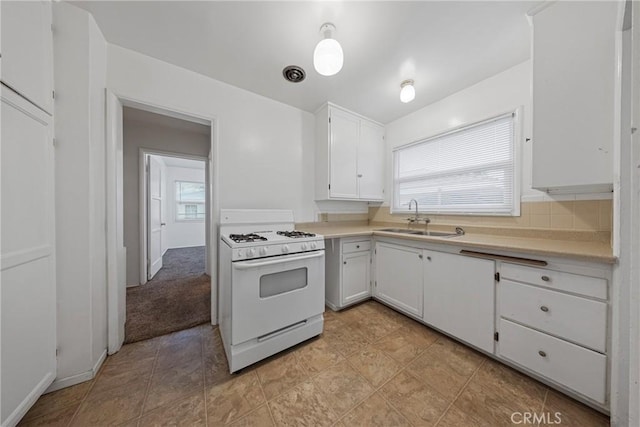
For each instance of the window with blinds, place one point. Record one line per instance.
(470, 170)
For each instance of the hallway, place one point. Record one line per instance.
(177, 298)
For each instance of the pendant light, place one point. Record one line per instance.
(407, 91)
(327, 56)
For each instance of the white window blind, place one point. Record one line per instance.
(467, 171)
(190, 201)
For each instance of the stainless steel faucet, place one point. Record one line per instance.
(410, 202)
(417, 217)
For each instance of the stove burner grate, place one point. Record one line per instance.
(295, 234)
(246, 238)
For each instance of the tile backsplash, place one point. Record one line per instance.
(572, 215)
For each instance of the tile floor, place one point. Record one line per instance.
(371, 366)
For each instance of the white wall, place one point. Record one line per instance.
(145, 130)
(496, 95)
(80, 78)
(265, 147)
(182, 234)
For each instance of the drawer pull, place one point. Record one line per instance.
(357, 246)
(542, 353)
(544, 308)
(546, 278)
(344, 262)
(428, 258)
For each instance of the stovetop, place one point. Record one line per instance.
(270, 236)
(247, 238)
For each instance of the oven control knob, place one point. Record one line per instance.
(251, 252)
(285, 248)
(239, 253)
(263, 251)
(313, 245)
(304, 246)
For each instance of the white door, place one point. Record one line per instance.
(399, 277)
(370, 161)
(116, 252)
(459, 297)
(27, 50)
(28, 292)
(355, 276)
(154, 216)
(344, 155)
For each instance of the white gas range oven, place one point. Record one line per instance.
(271, 294)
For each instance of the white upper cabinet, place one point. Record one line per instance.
(349, 153)
(574, 66)
(27, 50)
(371, 161)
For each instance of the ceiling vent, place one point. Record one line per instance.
(294, 74)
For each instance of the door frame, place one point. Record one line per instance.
(115, 261)
(143, 210)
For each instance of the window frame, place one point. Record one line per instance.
(188, 202)
(517, 114)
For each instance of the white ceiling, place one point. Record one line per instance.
(444, 46)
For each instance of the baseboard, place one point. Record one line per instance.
(61, 383)
(331, 306)
(14, 418)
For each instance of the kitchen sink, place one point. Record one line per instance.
(420, 232)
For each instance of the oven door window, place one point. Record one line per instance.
(283, 282)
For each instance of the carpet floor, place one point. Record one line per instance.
(177, 298)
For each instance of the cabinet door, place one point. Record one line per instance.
(370, 161)
(343, 153)
(459, 297)
(573, 76)
(28, 304)
(355, 276)
(399, 277)
(27, 46)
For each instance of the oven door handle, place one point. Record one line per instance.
(245, 265)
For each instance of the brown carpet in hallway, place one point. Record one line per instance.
(177, 298)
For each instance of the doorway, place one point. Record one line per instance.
(174, 292)
(165, 132)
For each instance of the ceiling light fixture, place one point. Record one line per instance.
(327, 56)
(407, 91)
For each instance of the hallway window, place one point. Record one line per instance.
(190, 201)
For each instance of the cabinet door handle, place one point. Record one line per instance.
(428, 258)
(420, 256)
(546, 278)
(542, 353)
(544, 308)
(344, 262)
(357, 246)
(359, 175)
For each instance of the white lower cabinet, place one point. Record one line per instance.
(28, 303)
(554, 322)
(399, 277)
(550, 322)
(570, 365)
(347, 272)
(459, 297)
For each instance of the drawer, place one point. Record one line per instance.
(595, 287)
(576, 319)
(359, 246)
(573, 366)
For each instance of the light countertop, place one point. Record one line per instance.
(593, 251)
